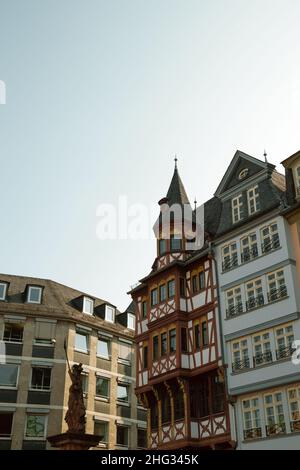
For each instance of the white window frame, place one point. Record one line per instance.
(254, 289)
(269, 238)
(236, 208)
(108, 341)
(243, 352)
(234, 298)
(296, 400)
(250, 243)
(297, 180)
(4, 284)
(276, 414)
(253, 197)
(119, 400)
(232, 253)
(31, 388)
(279, 281)
(9, 387)
(88, 301)
(113, 312)
(38, 438)
(132, 318)
(103, 397)
(82, 333)
(252, 409)
(106, 438)
(30, 288)
(264, 344)
(285, 335)
(12, 325)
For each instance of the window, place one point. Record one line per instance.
(204, 333)
(154, 416)
(197, 335)
(144, 309)
(85, 382)
(88, 306)
(229, 256)
(81, 342)
(236, 207)
(9, 375)
(275, 422)
(155, 348)
(297, 179)
(162, 246)
(178, 405)
(163, 344)
(240, 355)
(101, 430)
(3, 290)
(142, 438)
(251, 413)
(122, 436)
(284, 341)
(123, 393)
(162, 292)
(110, 314)
(172, 340)
(145, 357)
(270, 237)
(102, 387)
(184, 343)
(276, 286)
(253, 200)
(254, 294)
(125, 351)
(6, 420)
(249, 248)
(218, 394)
(154, 299)
(36, 426)
(165, 409)
(41, 378)
(294, 407)
(194, 284)
(131, 321)
(176, 243)
(262, 348)
(45, 331)
(103, 348)
(13, 333)
(34, 295)
(201, 280)
(171, 289)
(234, 302)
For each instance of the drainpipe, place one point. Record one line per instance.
(228, 398)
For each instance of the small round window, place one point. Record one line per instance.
(243, 173)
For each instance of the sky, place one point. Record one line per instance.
(100, 96)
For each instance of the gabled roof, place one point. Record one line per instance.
(240, 162)
(288, 161)
(176, 193)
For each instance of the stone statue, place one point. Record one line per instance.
(75, 416)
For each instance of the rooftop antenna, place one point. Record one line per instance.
(265, 155)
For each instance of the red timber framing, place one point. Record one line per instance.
(180, 375)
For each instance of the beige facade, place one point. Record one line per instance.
(34, 379)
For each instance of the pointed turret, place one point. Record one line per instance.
(176, 192)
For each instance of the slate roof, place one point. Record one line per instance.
(176, 193)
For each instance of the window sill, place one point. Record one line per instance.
(41, 439)
(250, 260)
(12, 342)
(7, 387)
(103, 399)
(45, 345)
(39, 390)
(121, 447)
(123, 403)
(6, 438)
(124, 362)
(103, 445)
(107, 358)
(82, 352)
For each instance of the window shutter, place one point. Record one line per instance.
(44, 329)
(124, 351)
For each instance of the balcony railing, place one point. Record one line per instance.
(272, 429)
(276, 294)
(234, 310)
(241, 365)
(262, 358)
(230, 263)
(270, 245)
(283, 353)
(249, 254)
(295, 425)
(252, 433)
(254, 302)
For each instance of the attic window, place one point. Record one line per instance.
(3, 290)
(110, 314)
(34, 295)
(243, 173)
(131, 321)
(88, 306)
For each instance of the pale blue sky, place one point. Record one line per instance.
(102, 94)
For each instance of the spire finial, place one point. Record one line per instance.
(265, 155)
(175, 160)
(195, 203)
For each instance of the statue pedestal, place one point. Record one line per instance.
(72, 441)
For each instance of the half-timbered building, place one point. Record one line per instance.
(180, 375)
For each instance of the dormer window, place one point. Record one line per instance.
(110, 314)
(88, 306)
(175, 243)
(253, 200)
(34, 295)
(162, 246)
(236, 206)
(131, 321)
(297, 181)
(3, 290)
